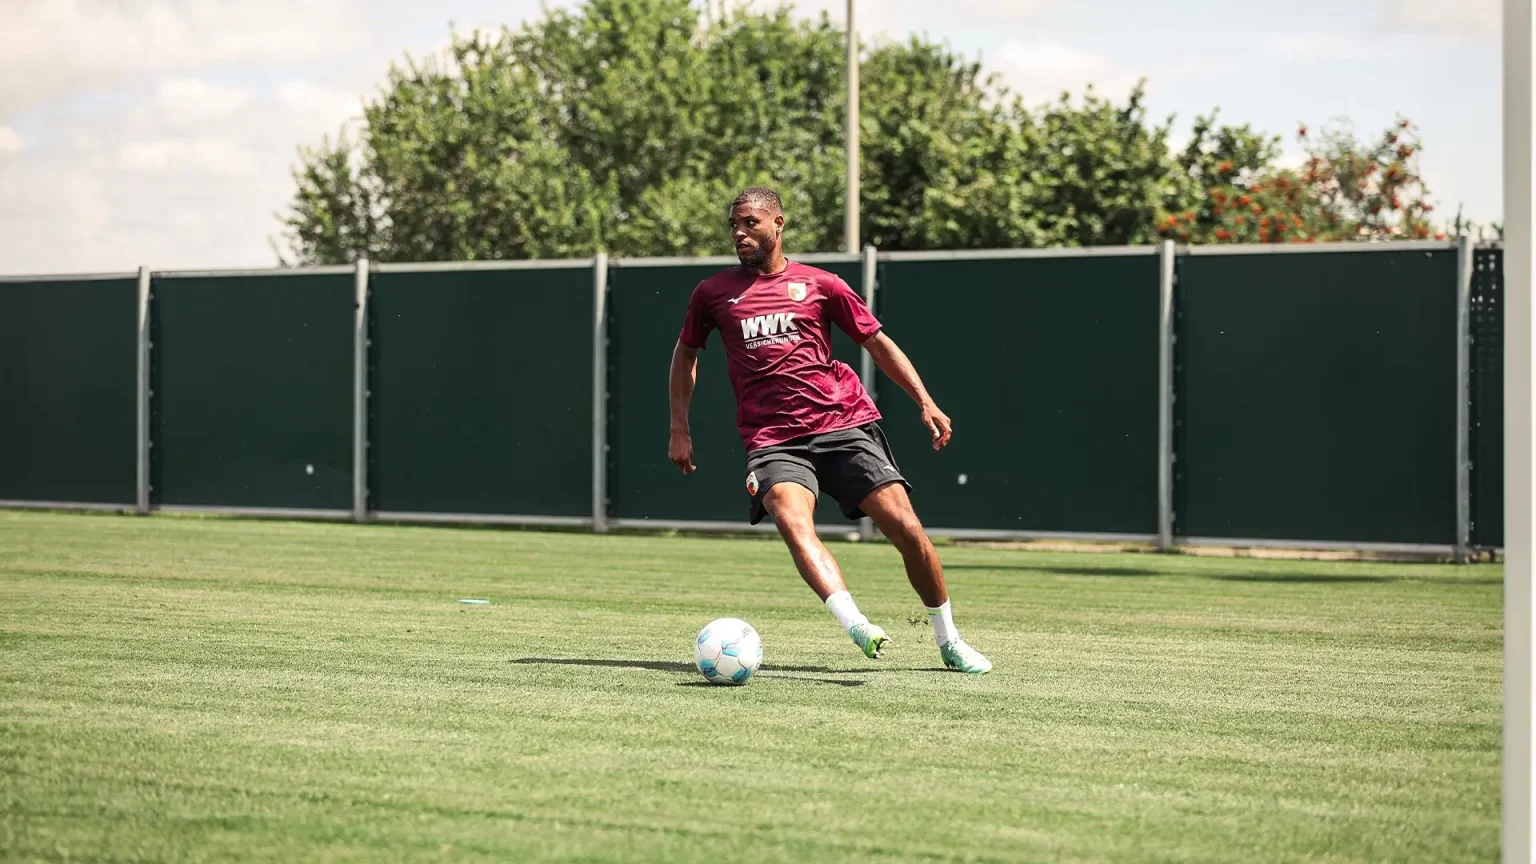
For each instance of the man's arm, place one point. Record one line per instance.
(684, 374)
(894, 363)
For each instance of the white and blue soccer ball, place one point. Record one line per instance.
(728, 651)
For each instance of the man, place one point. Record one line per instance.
(806, 420)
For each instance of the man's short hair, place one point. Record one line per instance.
(760, 197)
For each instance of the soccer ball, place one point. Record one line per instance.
(728, 651)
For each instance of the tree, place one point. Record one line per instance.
(1104, 173)
(1344, 190)
(626, 125)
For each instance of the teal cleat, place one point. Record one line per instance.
(870, 639)
(962, 657)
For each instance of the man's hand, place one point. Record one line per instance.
(938, 425)
(680, 451)
(895, 364)
(684, 373)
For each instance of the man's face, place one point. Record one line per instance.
(754, 233)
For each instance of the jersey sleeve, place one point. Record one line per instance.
(698, 320)
(850, 313)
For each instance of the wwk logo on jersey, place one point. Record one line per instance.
(760, 330)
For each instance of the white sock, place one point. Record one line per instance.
(943, 624)
(846, 611)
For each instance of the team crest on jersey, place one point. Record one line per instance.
(752, 483)
(797, 291)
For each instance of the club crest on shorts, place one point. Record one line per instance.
(752, 483)
(797, 291)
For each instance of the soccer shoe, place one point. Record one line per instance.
(870, 639)
(962, 657)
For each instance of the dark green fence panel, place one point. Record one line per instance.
(68, 384)
(252, 381)
(1048, 368)
(1487, 385)
(646, 313)
(1316, 396)
(481, 387)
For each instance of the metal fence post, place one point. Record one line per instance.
(360, 392)
(1464, 267)
(1165, 398)
(867, 364)
(143, 396)
(600, 393)
(1518, 811)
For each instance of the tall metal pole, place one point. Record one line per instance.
(1519, 810)
(600, 393)
(1165, 397)
(142, 398)
(851, 121)
(1464, 265)
(360, 390)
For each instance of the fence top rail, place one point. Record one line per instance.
(1203, 250)
(327, 270)
(1278, 248)
(472, 266)
(731, 260)
(69, 277)
(1002, 254)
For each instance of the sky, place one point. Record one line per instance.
(163, 133)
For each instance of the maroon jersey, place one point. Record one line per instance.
(778, 349)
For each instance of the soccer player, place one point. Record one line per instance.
(807, 422)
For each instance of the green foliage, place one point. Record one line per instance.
(1345, 190)
(627, 126)
(1110, 173)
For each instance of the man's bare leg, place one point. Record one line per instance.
(891, 510)
(793, 508)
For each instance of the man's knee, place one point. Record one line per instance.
(907, 531)
(896, 518)
(790, 504)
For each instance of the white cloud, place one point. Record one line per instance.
(894, 18)
(1336, 46)
(1307, 44)
(11, 141)
(1439, 17)
(54, 47)
(120, 186)
(191, 102)
(318, 105)
(1042, 71)
(217, 156)
(59, 221)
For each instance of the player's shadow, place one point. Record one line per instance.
(1304, 578)
(1061, 571)
(1352, 578)
(766, 670)
(845, 682)
(680, 666)
(652, 665)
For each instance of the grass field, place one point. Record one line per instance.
(176, 689)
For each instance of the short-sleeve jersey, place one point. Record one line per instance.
(778, 349)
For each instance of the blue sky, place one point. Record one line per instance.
(163, 132)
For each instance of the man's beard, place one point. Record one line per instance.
(756, 258)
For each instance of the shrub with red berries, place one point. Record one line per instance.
(1344, 189)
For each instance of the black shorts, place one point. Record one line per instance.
(847, 465)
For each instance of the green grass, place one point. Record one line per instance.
(177, 689)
